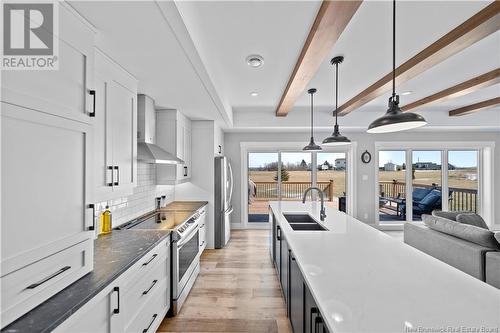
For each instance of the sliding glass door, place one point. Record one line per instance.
(438, 179)
(285, 175)
(262, 185)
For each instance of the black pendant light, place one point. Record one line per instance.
(394, 119)
(312, 146)
(336, 139)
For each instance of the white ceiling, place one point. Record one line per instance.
(190, 55)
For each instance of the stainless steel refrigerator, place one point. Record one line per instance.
(222, 204)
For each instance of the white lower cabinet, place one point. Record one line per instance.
(202, 232)
(137, 301)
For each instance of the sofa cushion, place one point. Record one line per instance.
(447, 215)
(472, 219)
(463, 231)
(431, 198)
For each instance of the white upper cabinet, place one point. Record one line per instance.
(115, 127)
(173, 133)
(63, 92)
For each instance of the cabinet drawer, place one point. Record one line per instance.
(150, 316)
(29, 286)
(149, 283)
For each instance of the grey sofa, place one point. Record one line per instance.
(479, 260)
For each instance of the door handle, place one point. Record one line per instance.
(112, 175)
(92, 206)
(48, 278)
(92, 93)
(145, 292)
(151, 323)
(117, 168)
(185, 171)
(117, 310)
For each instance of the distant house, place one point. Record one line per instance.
(389, 166)
(340, 164)
(426, 166)
(325, 166)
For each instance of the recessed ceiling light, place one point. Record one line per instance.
(255, 61)
(254, 94)
(404, 93)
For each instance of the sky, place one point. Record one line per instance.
(459, 159)
(259, 159)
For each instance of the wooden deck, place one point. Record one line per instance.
(237, 291)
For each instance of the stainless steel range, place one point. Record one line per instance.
(185, 248)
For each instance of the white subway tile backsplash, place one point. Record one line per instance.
(142, 200)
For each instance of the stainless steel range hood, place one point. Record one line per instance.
(147, 150)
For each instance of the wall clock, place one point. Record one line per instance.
(366, 157)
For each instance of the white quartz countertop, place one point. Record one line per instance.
(363, 280)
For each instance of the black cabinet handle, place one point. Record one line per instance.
(117, 310)
(92, 93)
(92, 206)
(112, 175)
(152, 258)
(313, 311)
(220, 149)
(185, 171)
(278, 232)
(145, 292)
(317, 324)
(50, 277)
(202, 243)
(151, 323)
(117, 168)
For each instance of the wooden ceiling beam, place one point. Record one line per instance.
(480, 25)
(488, 104)
(330, 22)
(461, 89)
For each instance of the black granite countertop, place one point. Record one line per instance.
(113, 254)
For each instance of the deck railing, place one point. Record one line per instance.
(290, 190)
(461, 199)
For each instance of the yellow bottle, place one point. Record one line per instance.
(106, 221)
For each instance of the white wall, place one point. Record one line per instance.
(364, 189)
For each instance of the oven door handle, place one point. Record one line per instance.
(188, 238)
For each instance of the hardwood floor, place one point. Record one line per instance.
(237, 291)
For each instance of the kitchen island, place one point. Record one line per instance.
(362, 280)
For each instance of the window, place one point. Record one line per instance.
(463, 177)
(426, 182)
(392, 185)
(331, 178)
(262, 185)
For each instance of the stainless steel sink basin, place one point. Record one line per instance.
(304, 222)
(307, 226)
(299, 218)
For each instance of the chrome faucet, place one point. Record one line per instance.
(322, 212)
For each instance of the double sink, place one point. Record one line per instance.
(303, 222)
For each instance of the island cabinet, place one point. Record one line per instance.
(136, 301)
(295, 295)
(173, 133)
(313, 319)
(115, 129)
(284, 271)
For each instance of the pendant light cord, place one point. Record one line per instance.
(393, 49)
(312, 117)
(336, 92)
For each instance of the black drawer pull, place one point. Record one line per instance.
(278, 233)
(202, 243)
(151, 323)
(92, 93)
(145, 292)
(117, 310)
(62, 270)
(117, 168)
(92, 206)
(112, 176)
(152, 258)
(313, 311)
(185, 171)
